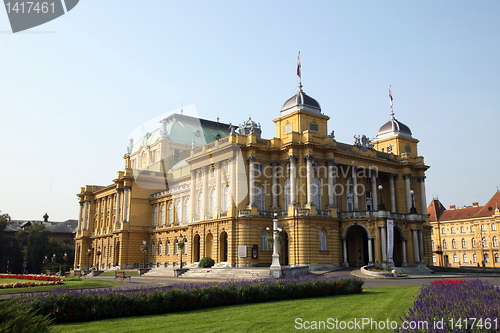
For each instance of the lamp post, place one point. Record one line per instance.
(98, 257)
(275, 265)
(413, 210)
(440, 254)
(89, 252)
(181, 246)
(381, 206)
(144, 250)
(65, 258)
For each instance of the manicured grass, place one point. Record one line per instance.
(73, 284)
(2, 281)
(379, 304)
(127, 273)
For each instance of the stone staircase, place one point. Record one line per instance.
(218, 273)
(418, 270)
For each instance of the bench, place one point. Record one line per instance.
(121, 274)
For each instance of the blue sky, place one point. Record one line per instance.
(72, 90)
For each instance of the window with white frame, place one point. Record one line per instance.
(485, 242)
(316, 192)
(443, 230)
(213, 195)
(171, 213)
(168, 248)
(454, 243)
(473, 243)
(263, 244)
(178, 211)
(185, 247)
(226, 168)
(445, 245)
(474, 258)
(160, 248)
(483, 227)
(260, 198)
(176, 250)
(212, 172)
(200, 176)
(155, 216)
(432, 244)
(452, 230)
(497, 257)
(465, 259)
(200, 204)
(493, 226)
(471, 228)
(153, 248)
(227, 198)
(162, 214)
(495, 241)
(455, 258)
(434, 258)
(322, 240)
(187, 208)
(487, 257)
(349, 200)
(462, 229)
(464, 243)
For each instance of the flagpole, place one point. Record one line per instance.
(299, 72)
(391, 102)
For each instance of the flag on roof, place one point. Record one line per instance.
(298, 66)
(390, 95)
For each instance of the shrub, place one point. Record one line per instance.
(206, 262)
(16, 318)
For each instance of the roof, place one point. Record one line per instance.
(437, 211)
(393, 128)
(68, 226)
(300, 101)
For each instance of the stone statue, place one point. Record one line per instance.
(389, 149)
(357, 142)
(192, 144)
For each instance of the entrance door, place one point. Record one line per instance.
(196, 248)
(209, 244)
(357, 246)
(283, 249)
(223, 247)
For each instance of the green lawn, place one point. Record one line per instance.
(379, 304)
(127, 273)
(70, 283)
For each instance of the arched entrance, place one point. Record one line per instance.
(357, 246)
(223, 247)
(446, 260)
(196, 248)
(397, 255)
(283, 249)
(209, 244)
(117, 253)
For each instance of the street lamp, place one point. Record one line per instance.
(413, 210)
(275, 265)
(181, 246)
(144, 253)
(381, 206)
(89, 253)
(440, 254)
(65, 258)
(98, 257)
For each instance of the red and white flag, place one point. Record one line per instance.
(390, 95)
(298, 66)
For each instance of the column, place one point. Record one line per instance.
(415, 245)
(126, 190)
(383, 240)
(374, 191)
(192, 197)
(293, 181)
(206, 195)
(251, 181)
(86, 215)
(404, 253)
(392, 190)
(80, 216)
(309, 169)
(344, 245)
(407, 178)
(117, 204)
(421, 245)
(421, 179)
(332, 198)
(232, 182)
(274, 186)
(370, 254)
(218, 193)
(355, 189)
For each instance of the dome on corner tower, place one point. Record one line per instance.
(393, 128)
(300, 101)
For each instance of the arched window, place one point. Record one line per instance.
(176, 250)
(495, 241)
(434, 258)
(178, 212)
(454, 243)
(322, 240)
(171, 213)
(287, 193)
(263, 245)
(486, 257)
(155, 216)
(349, 198)
(213, 195)
(162, 214)
(260, 198)
(369, 200)
(227, 198)
(153, 248)
(187, 208)
(185, 246)
(474, 257)
(497, 258)
(452, 230)
(445, 245)
(160, 248)
(316, 192)
(432, 244)
(485, 242)
(466, 261)
(473, 243)
(200, 204)
(455, 258)
(200, 176)
(168, 248)
(464, 243)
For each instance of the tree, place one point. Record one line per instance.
(37, 247)
(10, 254)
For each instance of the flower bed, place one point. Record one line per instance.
(46, 280)
(455, 306)
(85, 305)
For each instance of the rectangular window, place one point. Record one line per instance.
(288, 128)
(493, 227)
(483, 227)
(314, 127)
(408, 149)
(471, 228)
(452, 230)
(176, 155)
(462, 229)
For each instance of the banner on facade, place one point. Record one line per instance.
(390, 240)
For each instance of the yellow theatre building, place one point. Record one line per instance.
(217, 187)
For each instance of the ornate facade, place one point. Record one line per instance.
(465, 236)
(219, 195)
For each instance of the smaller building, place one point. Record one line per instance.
(465, 236)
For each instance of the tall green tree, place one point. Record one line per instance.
(11, 257)
(37, 247)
